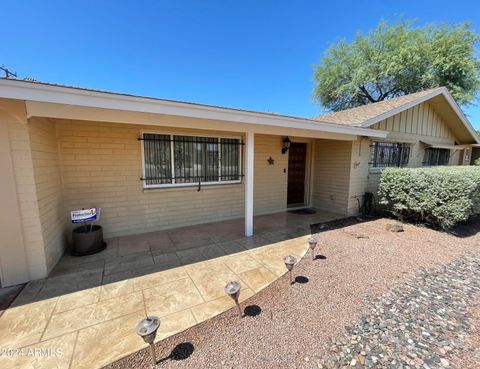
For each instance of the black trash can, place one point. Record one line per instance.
(87, 241)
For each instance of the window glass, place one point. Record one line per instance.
(388, 154)
(179, 159)
(157, 159)
(230, 159)
(436, 156)
(196, 159)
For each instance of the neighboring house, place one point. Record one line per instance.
(154, 164)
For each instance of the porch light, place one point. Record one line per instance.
(286, 145)
(289, 263)
(312, 242)
(147, 329)
(232, 289)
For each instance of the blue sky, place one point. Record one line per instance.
(247, 54)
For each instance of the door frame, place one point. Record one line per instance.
(308, 172)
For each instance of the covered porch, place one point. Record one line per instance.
(154, 165)
(88, 306)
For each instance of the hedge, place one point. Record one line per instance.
(442, 196)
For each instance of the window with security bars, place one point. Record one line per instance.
(183, 160)
(388, 154)
(436, 156)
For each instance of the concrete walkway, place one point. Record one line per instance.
(83, 315)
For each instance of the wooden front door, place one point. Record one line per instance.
(297, 157)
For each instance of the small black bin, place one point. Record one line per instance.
(87, 241)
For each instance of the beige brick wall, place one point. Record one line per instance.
(359, 174)
(27, 198)
(270, 181)
(331, 178)
(46, 165)
(101, 166)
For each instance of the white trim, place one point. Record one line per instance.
(440, 91)
(406, 106)
(172, 162)
(462, 116)
(249, 183)
(38, 92)
(395, 140)
(191, 184)
(434, 145)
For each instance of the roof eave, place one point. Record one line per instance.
(14, 89)
(440, 91)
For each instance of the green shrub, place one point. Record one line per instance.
(477, 162)
(440, 195)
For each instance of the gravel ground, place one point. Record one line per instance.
(293, 326)
(469, 357)
(418, 325)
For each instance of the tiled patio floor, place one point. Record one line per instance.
(86, 310)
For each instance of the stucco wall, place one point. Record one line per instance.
(101, 166)
(46, 165)
(331, 175)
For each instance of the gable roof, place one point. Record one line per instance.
(358, 116)
(441, 100)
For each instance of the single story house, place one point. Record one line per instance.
(153, 164)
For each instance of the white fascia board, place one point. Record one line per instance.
(420, 100)
(14, 89)
(460, 114)
(401, 108)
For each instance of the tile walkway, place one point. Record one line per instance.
(83, 315)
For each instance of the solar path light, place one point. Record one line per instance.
(147, 329)
(289, 263)
(312, 242)
(232, 289)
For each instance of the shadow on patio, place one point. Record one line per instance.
(176, 274)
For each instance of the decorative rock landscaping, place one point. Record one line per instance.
(418, 325)
(356, 262)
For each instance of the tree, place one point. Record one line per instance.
(397, 59)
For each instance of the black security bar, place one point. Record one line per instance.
(207, 141)
(196, 160)
(234, 177)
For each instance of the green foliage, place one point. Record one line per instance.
(397, 59)
(441, 195)
(477, 162)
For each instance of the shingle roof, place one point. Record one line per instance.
(357, 116)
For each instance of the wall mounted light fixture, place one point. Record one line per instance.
(286, 145)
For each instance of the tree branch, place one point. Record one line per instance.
(383, 96)
(367, 95)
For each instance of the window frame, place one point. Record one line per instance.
(428, 149)
(172, 159)
(376, 168)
